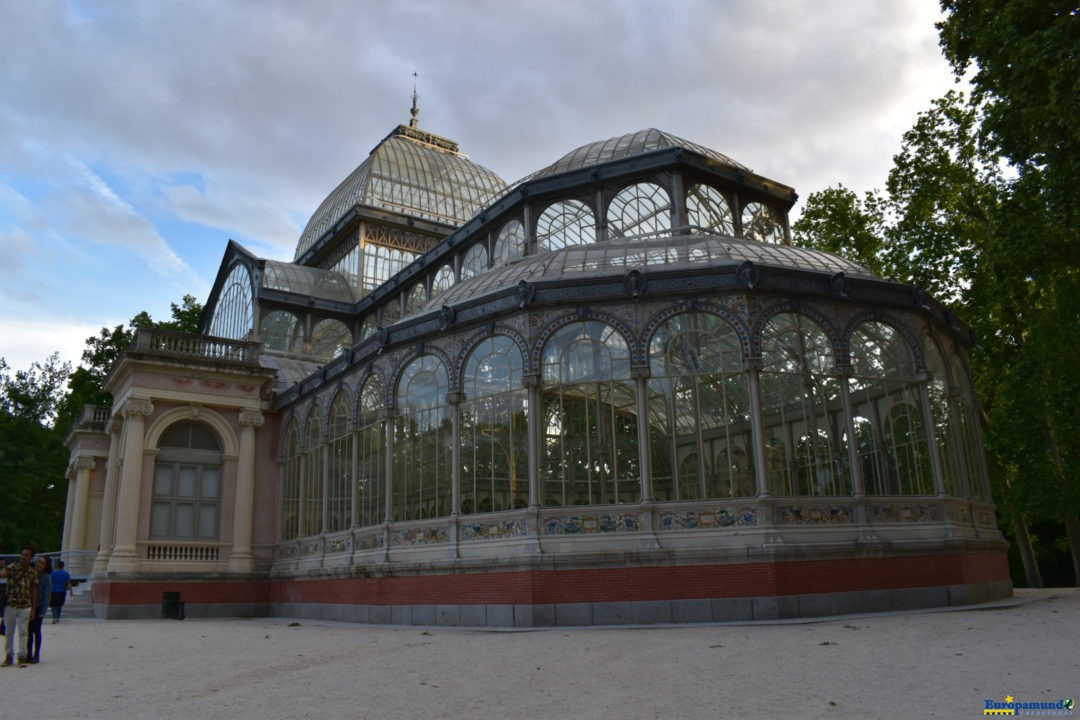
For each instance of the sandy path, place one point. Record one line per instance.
(931, 664)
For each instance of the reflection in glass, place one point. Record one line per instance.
(475, 261)
(281, 330)
(422, 442)
(762, 223)
(234, 314)
(699, 410)
(339, 495)
(589, 416)
(510, 242)
(313, 477)
(494, 438)
(290, 483)
(802, 413)
(371, 454)
(329, 338)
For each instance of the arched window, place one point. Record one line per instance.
(889, 428)
(371, 454)
(281, 330)
(589, 416)
(699, 407)
(187, 484)
(339, 497)
(944, 409)
(290, 484)
(422, 442)
(234, 313)
(973, 483)
(390, 311)
(475, 261)
(329, 338)
(494, 436)
(563, 224)
(801, 408)
(510, 242)
(762, 223)
(708, 209)
(640, 209)
(443, 281)
(314, 477)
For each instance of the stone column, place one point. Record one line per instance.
(108, 502)
(125, 555)
(65, 542)
(536, 444)
(241, 559)
(77, 541)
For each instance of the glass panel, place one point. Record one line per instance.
(211, 482)
(762, 223)
(475, 261)
(185, 481)
(640, 209)
(802, 413)
(564, 224)
(234, 312)
(185, 520)
(160, 513)
(208, 521)
(510, 242)
(708, 209)
(163, 479)
(329, 338)
(290, 484)
(699, 410)
(422, 442)
(281, 330)
(371, 449)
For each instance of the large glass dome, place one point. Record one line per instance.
(413, 173)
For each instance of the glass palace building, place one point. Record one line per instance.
(612, 392)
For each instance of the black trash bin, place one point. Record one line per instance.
(171, 607)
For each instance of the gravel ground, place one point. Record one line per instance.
(938, 664)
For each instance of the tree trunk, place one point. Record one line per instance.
(1072, 528)
(1027, 552)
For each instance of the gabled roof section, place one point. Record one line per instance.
(624, 146)
(411, 172)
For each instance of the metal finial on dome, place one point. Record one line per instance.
(415, 112)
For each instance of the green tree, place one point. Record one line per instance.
(32, 457)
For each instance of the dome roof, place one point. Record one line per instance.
(666, 253)
(413, 173)
(616, 148)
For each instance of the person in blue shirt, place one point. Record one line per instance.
(61, 587)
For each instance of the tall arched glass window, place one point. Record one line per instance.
(589, 416)
(494, 435)
(329, 338)
(699, 410)
(762, 223)
(290, 484)
(281, 330)
(187, 484)
(314, 477)
(942, 405)
(973, 470)
(510, 242)
(371, 454)
(422, 442)
(889, 428)
(802, 414)
(234, 314)
(708, 209)
(563, 224)
(339, 495)
(639, 209)
(475, 261)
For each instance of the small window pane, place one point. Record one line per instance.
(210, 482)
(185, 486)
(208, 521)
(163, 480)
(185, 520)
(159, 519)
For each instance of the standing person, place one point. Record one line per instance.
(22, 587)
(41, 608)
(61, 587)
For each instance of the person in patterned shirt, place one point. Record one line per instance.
(22, 587)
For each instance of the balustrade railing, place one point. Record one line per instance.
(173, 552)
(190, 345)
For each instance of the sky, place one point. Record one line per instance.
(138, 136)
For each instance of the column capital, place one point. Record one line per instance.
(135, 407)
(85, 462)
(251, 417)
